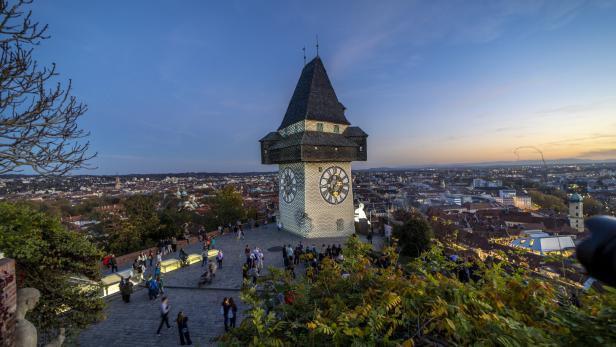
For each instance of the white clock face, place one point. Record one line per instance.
(288, 185)
(334, 185)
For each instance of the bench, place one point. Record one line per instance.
(169, 265)
(194, 258)
(111, 284)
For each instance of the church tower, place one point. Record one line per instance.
(314, 147)
(576, 212)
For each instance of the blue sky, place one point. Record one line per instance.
(179, 86)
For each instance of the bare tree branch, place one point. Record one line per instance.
(38, 116)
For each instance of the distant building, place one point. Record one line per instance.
(537, 243)
(118, 184)
(576, 212)
(506, 197)
(481, 183)
(523, 202)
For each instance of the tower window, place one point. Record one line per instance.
(336, 128)
(361, 148)
(320, 127)
(340, 224)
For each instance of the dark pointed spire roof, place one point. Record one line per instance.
(314, 98)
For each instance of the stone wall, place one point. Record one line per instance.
(8, 302)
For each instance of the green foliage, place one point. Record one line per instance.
(414, 236)
(425, 305)
(47, 256)
(548, 201)
(228, 206)
(593, 206)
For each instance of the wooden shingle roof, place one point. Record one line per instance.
(314, 98)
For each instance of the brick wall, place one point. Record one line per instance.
(128, 259)
(8, 301)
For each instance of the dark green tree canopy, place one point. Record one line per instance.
(414, 236)
(52, 259)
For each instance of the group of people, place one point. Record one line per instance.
(167, 246)
(228, 310)
(155, 285)
(310, 256)
(111, 262)
(253, 266)
(181, 321)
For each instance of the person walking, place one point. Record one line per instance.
(219, 257)
(233, 309)
(164, 314)
(152, 288)
(159, 257)
(182, 323)
(225, 312)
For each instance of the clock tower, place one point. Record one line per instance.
(314, 147)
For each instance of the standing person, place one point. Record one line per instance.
(152, 288)
(220, 230)
(219, 257)
(233, 309)
(164, 314)
(159, 257)
(244, 274)
(247, 254)
(279, 226)
(113, 263)
(126, 289)
(151, 258)
(370, 235)
(159, 284)
(174, 244)
(182, 322)
(204, 257)
(285, 255)
(225, 312)
(254, 273)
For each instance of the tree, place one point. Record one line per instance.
(593, 206)
(228, 205)
(414, 236)
(38, 118)
(548, 201)
(120, 236)
(141, 212)
(354, 303)
(50, 258)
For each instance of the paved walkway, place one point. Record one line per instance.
(135, 323)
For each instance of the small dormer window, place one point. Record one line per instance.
(336, 128)
(320, 127)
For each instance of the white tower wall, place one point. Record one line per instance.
(309, 215)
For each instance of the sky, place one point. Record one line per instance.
(180, 86)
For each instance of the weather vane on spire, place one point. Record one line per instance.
(304, 49)
(317, 45)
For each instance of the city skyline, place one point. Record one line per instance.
(433, 83)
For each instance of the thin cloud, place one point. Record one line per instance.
(603, 153)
